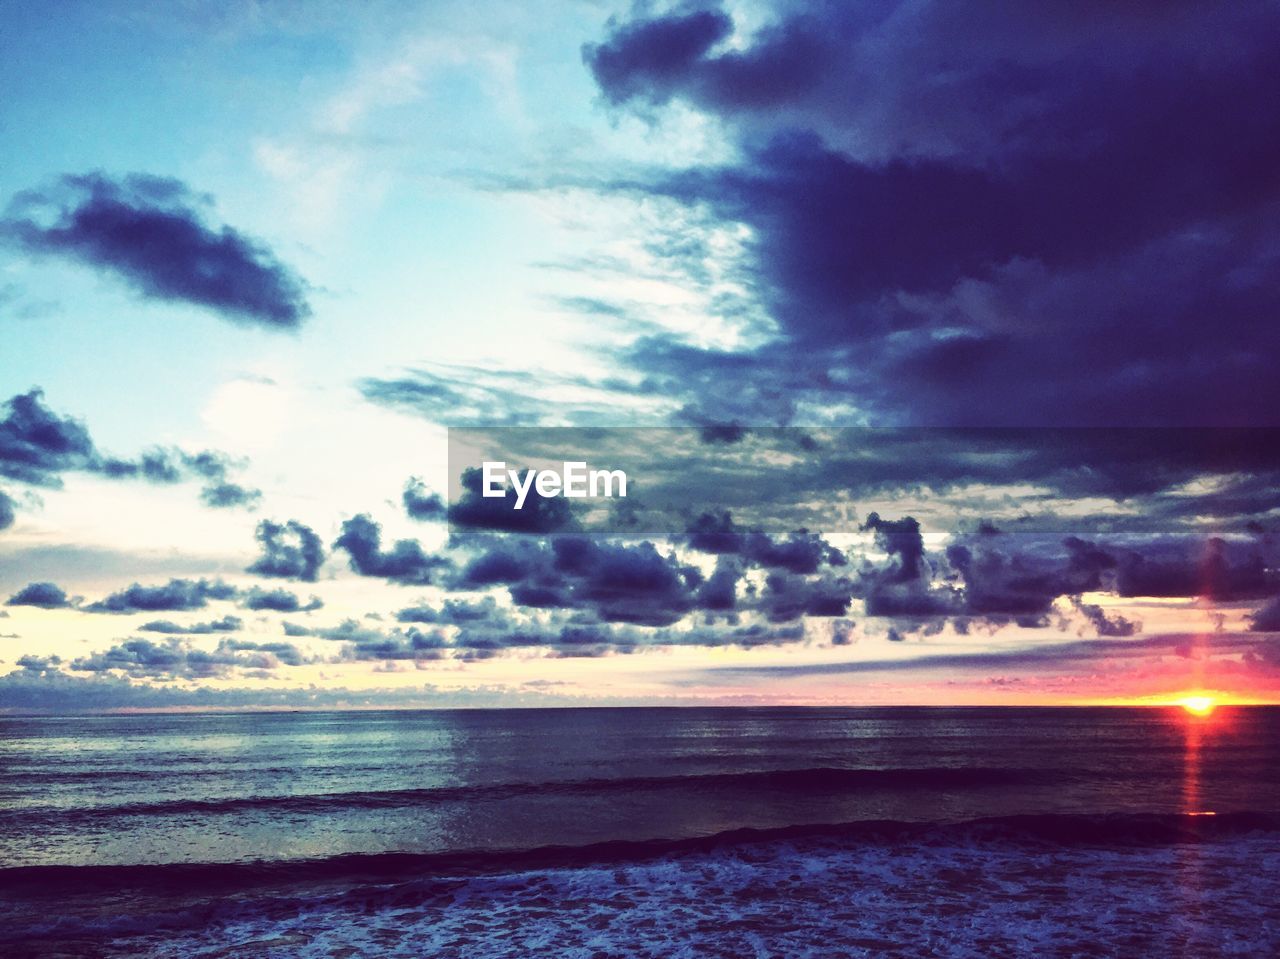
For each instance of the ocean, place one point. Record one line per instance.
(654, 832)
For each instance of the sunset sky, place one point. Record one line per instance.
(257, 258)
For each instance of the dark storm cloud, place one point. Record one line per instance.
(43, 595)
(788, 597)
(151, 232)
(719, 592)
(653, 59)
(997, 579)
(800, 552)
(957, 208)
(278, 600)
(902, 540)
(539, 514)
(173, 596)
(289, 551)
(178, 659)
(1001, 581)
(782, 479)
(721, 387)
(726, 433)
(506, 562)
(621, 583)
(983, 578)
(419, 503)
(7, 515)
(227, 624)
(1211, 569)
(405, 562)
(1266, 619)
(615, 582)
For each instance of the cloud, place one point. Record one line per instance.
(1207, 570)
(420, 504)
(404, 563)
(32, 665)
(618, 583)
(788, 597)
(278, 600)
(269, 655)
(229, 495)
(227, 624)
(38, 445)
(719, 592)
(172, 466)
(363, 643)
(43, 595)
(483, 396)
(800, 552)
(219, 492)
(540, 514)
(289, 551)
(1104, 625)
(942, 214)
(178, 659)
(653, 59)
(507, 561)
(7, 515)
(173, 596)
(902, 540)
(412, 644)
(151, 232)
(451, 612)
(1266, 618)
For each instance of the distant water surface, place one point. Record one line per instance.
(222, 788)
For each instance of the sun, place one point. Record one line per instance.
(1198, 705)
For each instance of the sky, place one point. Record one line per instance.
(938, 338)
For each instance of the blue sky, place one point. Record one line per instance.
(402, 217)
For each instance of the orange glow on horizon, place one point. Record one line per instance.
(1196, 701)
(1198, 705)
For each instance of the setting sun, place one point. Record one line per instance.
(1198, 705)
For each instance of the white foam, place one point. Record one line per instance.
(806, 898)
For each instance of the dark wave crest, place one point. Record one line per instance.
(826, 780)
(1110, 830)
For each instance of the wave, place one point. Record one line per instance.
(1102, 830)
(823, 779)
